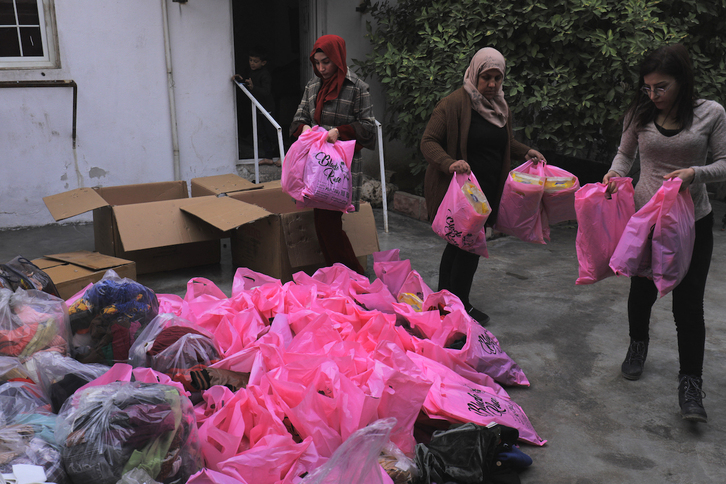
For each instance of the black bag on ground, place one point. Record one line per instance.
(467, 454)
(21, 273)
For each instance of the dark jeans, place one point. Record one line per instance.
(687, 303)
(456, 272)
(334, 241)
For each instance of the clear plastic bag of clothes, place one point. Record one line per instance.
(105, 431)
(21, 398)
(32, 321)
(60, 376)
(28, 444)
(178, 348)
(109, 316)
(12, 369)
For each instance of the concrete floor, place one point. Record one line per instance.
(569, 340)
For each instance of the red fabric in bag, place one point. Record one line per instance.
(600, 224)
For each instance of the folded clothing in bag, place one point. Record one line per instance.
(107, 318)
(105, 431)
(32, 321)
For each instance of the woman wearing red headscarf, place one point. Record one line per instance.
(337, 100)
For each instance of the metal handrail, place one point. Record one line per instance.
(255, 106)
(384, 194)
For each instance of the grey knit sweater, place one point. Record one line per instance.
(660, 155)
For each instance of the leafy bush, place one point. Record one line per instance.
(572, 65)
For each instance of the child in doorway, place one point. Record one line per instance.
(259, 82)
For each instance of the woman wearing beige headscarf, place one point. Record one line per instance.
(470, 130)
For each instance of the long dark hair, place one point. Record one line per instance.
(672, 60)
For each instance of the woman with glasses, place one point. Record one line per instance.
(471, 130)
(673, 131)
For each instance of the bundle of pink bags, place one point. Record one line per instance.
(327, 355)
(654, 242)
(535, 196)
(317, 174)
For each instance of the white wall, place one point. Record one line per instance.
(114, 51)
(342, 19)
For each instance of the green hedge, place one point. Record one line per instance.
(571, 64)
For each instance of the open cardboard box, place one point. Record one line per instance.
(72, 271)
(284, 242)
(157, 226)
(145, 223)
(226, 184)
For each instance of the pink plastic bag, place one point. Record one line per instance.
(600, 224)
(208, 476)
(457, 221)
(387, 255)
(414, 284)
(393, 273)
(293, 168)
(521, 213)
(673, 237)
(633, 255)
(559, 193)
(327, 181)
(468, 402)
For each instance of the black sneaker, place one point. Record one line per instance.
(632, 367)
(690, 398)
(480, 317)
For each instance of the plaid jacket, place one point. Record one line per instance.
(351, 107)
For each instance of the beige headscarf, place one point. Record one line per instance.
(495, 110)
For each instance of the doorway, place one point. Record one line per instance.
(274, 26)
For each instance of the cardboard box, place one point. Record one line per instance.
(144, 223)
(72, 271)
(285, 242)
(225, 184)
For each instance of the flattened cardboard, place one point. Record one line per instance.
(88, 259)
(221, 184)
(225, 213)
(74, 202)
(72, 271)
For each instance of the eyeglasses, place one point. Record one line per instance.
(657, 92)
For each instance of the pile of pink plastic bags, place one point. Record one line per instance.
(292, 372)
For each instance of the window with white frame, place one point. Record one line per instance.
(27, 34)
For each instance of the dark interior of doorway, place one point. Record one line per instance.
(273, 25)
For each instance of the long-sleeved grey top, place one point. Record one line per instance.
(660, 154)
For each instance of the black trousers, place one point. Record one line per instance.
(687, 303)
(456, 272)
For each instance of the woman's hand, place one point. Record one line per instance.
(535, 156)
(686, 175)
(460, 166)
(612, 187)
(333, 135)
(305, 128)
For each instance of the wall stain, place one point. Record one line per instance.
(97, 172)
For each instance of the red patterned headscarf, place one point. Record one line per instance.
(334, 47)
